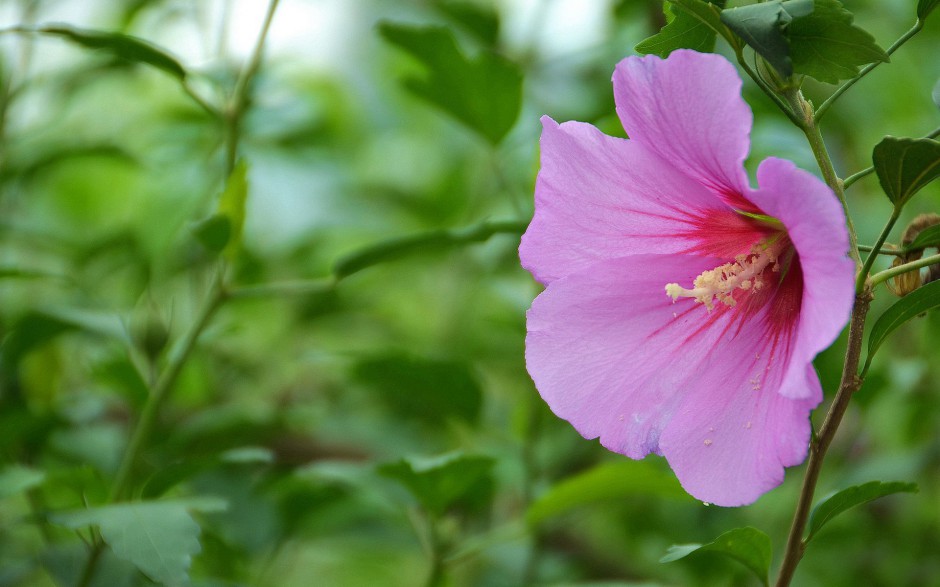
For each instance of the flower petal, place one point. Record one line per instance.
(815, 222)
(730, 448)
(688, 108)
(600, 197)
(611, 353)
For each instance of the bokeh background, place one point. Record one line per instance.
(355, 430)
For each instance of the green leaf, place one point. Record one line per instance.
(929, 237)
(926, 297)
(232, 206)
(429, 390)
(709, 14)
(925, 7)
(835, 504)
(904, 166)
(484, 93)
(158, 537)
(435, 240)
(121, 46)
(764, 26)
(481, 21)
(17, 479)
(443, 482)
(826, 45)
(749, 546)
(615, 480)
(214, 233)
(684, 31)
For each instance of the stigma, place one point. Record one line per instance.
(745, 273)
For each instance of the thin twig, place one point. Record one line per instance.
(850, 383)
(824, 107)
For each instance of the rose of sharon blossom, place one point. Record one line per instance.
(683, 308)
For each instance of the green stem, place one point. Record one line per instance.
(818, 145)
(849, 384)
(149, 414)
(824, 107)
(856, 176)
(869, 249)
(887, 274)
(870, 260)
(792, 114)
(239, 101)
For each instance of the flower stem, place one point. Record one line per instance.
(809, 127)
(881, 251)
(824, 107)
(239, 101)
(849, 384)
(870, 260)
(887, 274)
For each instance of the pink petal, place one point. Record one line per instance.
(815, 223)
(688, 108)
(730, 448)
(599, 197)
(611, 353)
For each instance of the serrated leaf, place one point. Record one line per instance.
(922, 299)
(749, 546)
(484, 93)
(232, 206)
(443, 482)
(119, 45)
(684, 31)
(158, 537)
(709, 14)
(929, 237)
(764, 28)
(429, 390)
(825, 45)
(616, 480)
(833, 505)
(17, 479)
(925, 7)
(904, 166)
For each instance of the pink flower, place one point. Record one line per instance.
(683, 308)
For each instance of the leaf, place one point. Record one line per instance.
(481, 21)
(17, 479)
(710, 15)
(926, 297)
(429, 390)
(832, 506)
(441, 483)
(929, 237)
(904, 166)
(616, 480)
(158, 537)
(214, 232)
(232, 206)
(119, 45)
(435, 240)
(925, 7)
(764, 26)
(684, 31)
(749, 546)
(826, 45)
(484, 93)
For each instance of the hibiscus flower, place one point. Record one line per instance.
(683, 308)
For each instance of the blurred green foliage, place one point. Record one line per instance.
(358, 401)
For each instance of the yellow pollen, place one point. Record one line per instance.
(721, 282)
